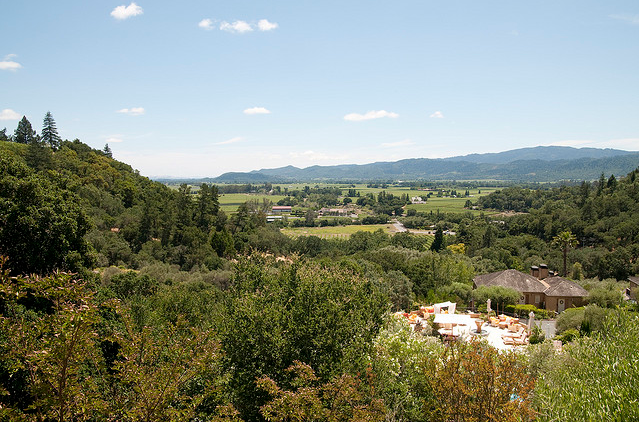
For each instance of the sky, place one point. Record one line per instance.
(200, 88)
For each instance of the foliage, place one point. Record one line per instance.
(157, 370)
(596, 377)
(344, 398)
(48, 328)
(49, 132)
(537, 335)
(500, 296)
(323, 315)
(43, 226)
(400, 368)
(472, 381)
(522, 311)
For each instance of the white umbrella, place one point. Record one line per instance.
(531, 318)
(488, 306)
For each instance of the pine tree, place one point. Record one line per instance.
(107, 151)
(50, 132)
(24, 133)
(3, 135)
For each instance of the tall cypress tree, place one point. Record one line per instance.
(50, 132)
(24, 133)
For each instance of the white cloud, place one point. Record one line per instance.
(8, 64)
(265, 25)
(257, 110)
(8, 114)
(113, 140)
(230, 141)
(206, 24)
(134, 111)
(238, 27)
(633, 19)
(356, 117)
(437, 115)
(404, 143)
(125, 12)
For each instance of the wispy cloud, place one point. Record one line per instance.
(317, 156)
(437, 115)
(206, 24)
(230, 141)
(134, 111)
(8, 114)
(373, 114)
(237, 27)
(8, 64)
(404, 143)
(265, 25)
(114, 140)
(632, 19)
(257, 110)
(125, 12)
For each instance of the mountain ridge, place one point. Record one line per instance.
(539, 164)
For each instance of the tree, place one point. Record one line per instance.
(24, 133)
(43, 226)
(107, 151)
(49, 133)
(438, 243)
(50, 323)
(565, 240)
(473, 381)
(3, 135)
(345, 398)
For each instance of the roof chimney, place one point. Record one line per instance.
(534, 271)
(543, 271)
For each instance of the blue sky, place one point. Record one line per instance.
(199, 88)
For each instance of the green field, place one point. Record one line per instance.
(337, 231)
(229, 202)
(342, 232)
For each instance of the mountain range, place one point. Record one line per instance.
(534, 164)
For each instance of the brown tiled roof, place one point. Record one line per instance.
(513, 279)
(560, 286)
(634, 280)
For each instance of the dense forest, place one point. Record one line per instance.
(123, 299)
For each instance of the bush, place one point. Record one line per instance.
(523, 311)
(596, 377)
(569, 336)
(537, 336)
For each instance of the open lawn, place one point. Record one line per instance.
(343, 232)
(229, 202)
(336, 231)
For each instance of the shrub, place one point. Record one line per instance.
(524, 310)
(596, 377)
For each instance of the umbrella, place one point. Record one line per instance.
(531, 318)
(488, 306)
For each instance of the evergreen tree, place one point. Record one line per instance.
(438, 243)
(24, 133)
(49, 133)
(38, 155)
(107, 151)
(3, 135)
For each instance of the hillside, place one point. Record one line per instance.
(539, 164)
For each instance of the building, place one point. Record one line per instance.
(540, 288)
(281, 208)
(633, 289)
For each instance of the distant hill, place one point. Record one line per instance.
(549, 153)
(538, 164)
